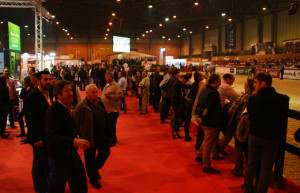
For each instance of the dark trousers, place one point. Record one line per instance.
(83, 83)
(69, 170)
(112, 118)
(92, 162)
(240, 148)
(262, 152)
(165, 107)
(156, 98)
(177, 108)
(11, 112)
(40, 169)
(3, 119)
(124, 102)
(188, 107)
(200, 138)
(21, 121)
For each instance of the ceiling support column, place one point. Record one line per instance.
(39, 56)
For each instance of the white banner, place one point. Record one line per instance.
(291, 74)
(1, 61)
(225, 70)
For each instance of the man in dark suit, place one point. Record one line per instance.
(35, 107)
(268, 113)
(155, 79)
(64, 161)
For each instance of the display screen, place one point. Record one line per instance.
(14, 37)
(121, 44)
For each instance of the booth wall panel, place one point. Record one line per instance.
(197, 44)
(267, 28)
(223, 39)
(288, 26)
(250, 33)
(211, 37)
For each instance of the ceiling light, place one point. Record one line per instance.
(28, 34)
(223, 14)
(110, 23)
(207, 27)
(196, 3)
(191, 32)
(71, 38)
(169, 39)
(63, 29)
(160, 25)
(1, 22)
(105, 38)
(119, 0)
(150, 6)
(184, 29)
(174, 16)
(167, 19)
(229, 19)
(147, 32)
(57, 23)
(68, 34)
(113, 14)
(138, 38)
(66, 30)
(264, 8)
(143, 35)
(163, 37)
(107, 29)
(26, 26)
(178, 36)
(106, 34)
(53, 16)
(44, 36)
(150, 30)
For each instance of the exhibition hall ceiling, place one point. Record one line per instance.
(139, 18)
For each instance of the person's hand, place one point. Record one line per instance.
(39, 144)
(82, 143)
(199, 120)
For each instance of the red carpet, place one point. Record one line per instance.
(145, 159)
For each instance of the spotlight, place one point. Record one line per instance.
(160, 25)
(110, 23)
(264, 8)
(44, 36)
(229, 19)
(150, 30)
(184, 29)
(106, 34)
(68, 34)
(191, 32)
(167, 19)
(105, 38)
(71, 38)
(1, 22)
(196, 3)
(174, 16)
(26, 26)
(53, 16)
(178, 36)
(143, 35)
(223, 14)
(107, 30)
(150, 6)
(169, 39)
(138, 38)
(163, 37)
(28, 34)
(57, 23)
(207, 27)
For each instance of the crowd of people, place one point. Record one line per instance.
(59, 120)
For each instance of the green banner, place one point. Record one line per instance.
(242, 71)
(14, 37)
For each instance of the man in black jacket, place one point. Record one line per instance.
(64, 161)
(36, 105)
(155, 79)
(209, 115)
(268, 112)
(177, 98)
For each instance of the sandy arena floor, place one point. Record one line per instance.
(292, 89)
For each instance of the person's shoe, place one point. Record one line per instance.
(4, 135)
(234, 173)
(178, 136)
(218, 157)
(25, 141)
(98, 176)
(198, 159)
(188, 138)
(222, 151)
(13, 126)
(21, 135)
(95, 184)
(210, 170)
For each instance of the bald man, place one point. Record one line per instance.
(92, 122)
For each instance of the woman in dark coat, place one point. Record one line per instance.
(4, 106)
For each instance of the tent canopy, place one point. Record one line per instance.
(131, 54)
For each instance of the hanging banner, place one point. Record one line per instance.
(291, 46)
(230, 39)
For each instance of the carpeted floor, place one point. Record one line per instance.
(145, 159)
